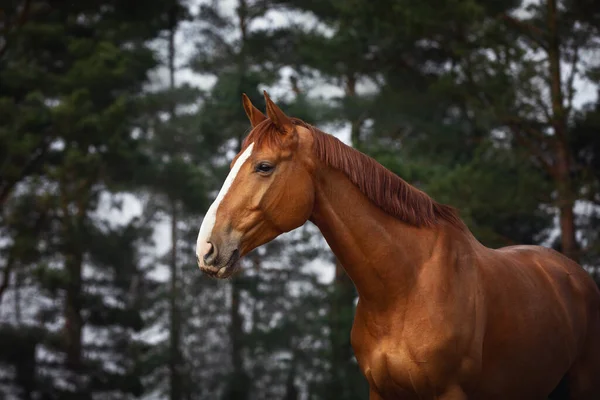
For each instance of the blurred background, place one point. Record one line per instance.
(118, 120)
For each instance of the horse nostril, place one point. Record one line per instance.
(210, 254)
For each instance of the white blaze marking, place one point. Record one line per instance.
(209, 219)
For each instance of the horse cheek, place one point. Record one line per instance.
(298, 206)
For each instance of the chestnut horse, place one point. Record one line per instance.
(440, 316)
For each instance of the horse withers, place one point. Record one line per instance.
(439, 316)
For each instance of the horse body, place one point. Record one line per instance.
(558, 325)
(439, 316)
(542, 309)
(439, 311)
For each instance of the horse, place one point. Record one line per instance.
(439, 315)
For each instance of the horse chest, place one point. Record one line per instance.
(409, 364)
(394, 373)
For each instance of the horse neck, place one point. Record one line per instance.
(381, 254)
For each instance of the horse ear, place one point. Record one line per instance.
(253, 113)
(278, 117)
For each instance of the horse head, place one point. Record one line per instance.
(269, 191)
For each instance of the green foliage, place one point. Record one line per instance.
(455, 97)
(70, 78)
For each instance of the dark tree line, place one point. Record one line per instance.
(118, 120)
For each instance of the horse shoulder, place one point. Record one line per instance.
(428, 343)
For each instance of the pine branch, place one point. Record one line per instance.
(524, 134)
(21, 20)
(29, 168)
(543, 107)
(525, 125)
(531, 31)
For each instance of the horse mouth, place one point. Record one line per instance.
(227, 269)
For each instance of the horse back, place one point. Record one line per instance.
(531, 291)
(568, 277)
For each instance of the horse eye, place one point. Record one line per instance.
(264, 167)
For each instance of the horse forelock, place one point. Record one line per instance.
(385, 189)
(264, 134)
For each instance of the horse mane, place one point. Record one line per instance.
(385, 189)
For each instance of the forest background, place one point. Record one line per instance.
(118, 120)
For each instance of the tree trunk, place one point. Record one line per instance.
(73, 259)
(175, 357)
(562, 175)
(291, 391)
(238, 387)
(74, 202)
(567, 229)
(236, 327)
(342, 316)
(356, 122)
(73, 320)
(6, 275)
(18, 286)
(175, 320)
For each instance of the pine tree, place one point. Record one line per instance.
(223, 119)
(69, 77)
(176, 184)
(533, 98)
(586, 149)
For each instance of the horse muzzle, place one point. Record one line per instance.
(217, 261)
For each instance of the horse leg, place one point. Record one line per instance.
(583, 382)
(561, 391)
(582, 385)
(373, 395)
(453, 393)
